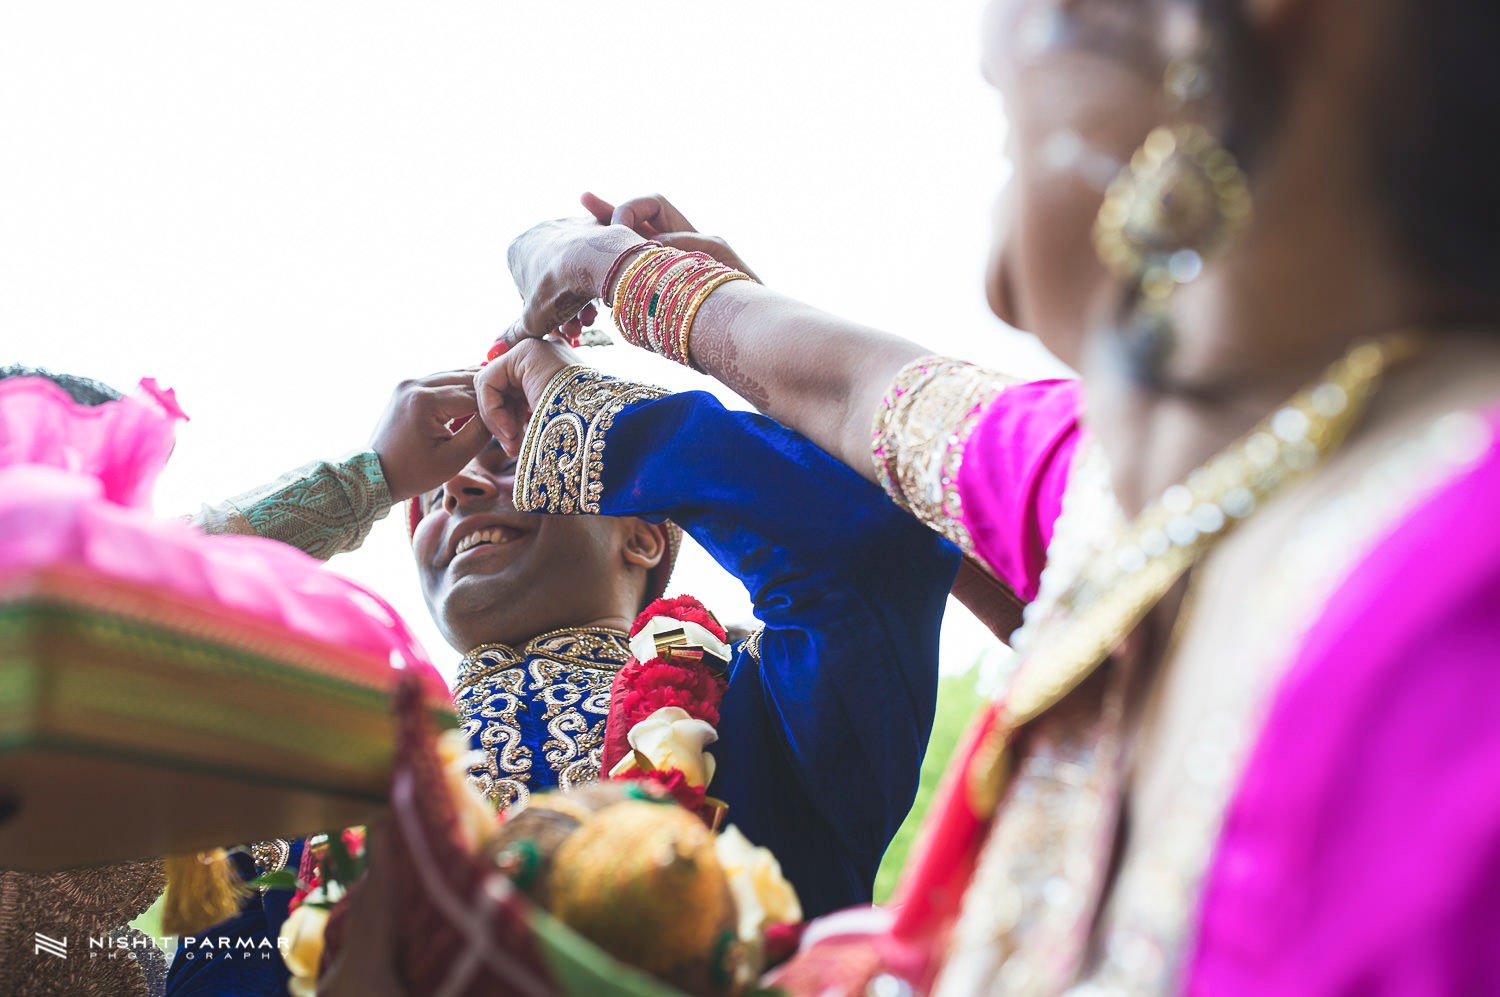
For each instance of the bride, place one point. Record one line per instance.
(1249, 747)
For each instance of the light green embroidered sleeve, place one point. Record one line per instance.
(322, 508)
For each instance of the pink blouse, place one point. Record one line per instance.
(1013, 475)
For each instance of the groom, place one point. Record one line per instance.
(535, 568)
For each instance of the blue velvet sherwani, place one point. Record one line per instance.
(825, 722)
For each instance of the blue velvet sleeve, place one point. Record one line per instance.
(240, 957)
(821, 739)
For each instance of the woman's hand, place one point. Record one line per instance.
(559, 268)
(654, 217)
(509, 387)
(428, 432)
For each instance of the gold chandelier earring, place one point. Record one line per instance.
(1179, 201)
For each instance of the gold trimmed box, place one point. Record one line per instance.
(136, 723)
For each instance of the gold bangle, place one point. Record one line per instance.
(685, 330)
(669, 316)
(673, 280)
(620, 312)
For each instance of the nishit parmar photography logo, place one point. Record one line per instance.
(227, 948)
(47, 945)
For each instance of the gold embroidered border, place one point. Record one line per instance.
(583, 647)
(561, 466)
(921, 428)
(1026, 909)
(270, 856)
(569, 674)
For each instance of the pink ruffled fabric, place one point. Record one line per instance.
(75, 487)
(120, 446)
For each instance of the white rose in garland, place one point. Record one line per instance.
(671, 738)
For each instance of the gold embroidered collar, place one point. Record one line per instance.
(583, 647)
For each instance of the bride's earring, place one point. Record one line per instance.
(1180, 200)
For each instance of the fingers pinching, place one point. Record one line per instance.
(597, 206)
(469, 438)
(497, 401)
(516, 335)
(650, 216)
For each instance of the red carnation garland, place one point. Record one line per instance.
(684, 609)
(683, 674)
(675, 784)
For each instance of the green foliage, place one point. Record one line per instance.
(149, 923)
(281, 879)
(957, 704)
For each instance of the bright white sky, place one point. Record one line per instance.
(282, 209)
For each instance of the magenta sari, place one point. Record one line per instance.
(1358, 847)
(1360, 851)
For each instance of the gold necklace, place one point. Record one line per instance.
(1117, 588)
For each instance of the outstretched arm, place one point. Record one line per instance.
(426, 435)
(817, 373)
(875, 401)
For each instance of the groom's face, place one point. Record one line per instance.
(491, 574)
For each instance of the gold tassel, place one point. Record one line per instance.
(202, 890)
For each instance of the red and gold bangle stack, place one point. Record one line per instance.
(659, 294)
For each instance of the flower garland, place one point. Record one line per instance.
(664, 704)
(330, 864)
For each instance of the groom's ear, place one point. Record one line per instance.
(644, 544)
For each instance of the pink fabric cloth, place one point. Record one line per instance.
(75, 486)
(119, 448)
(1361, 852)
(1014, 471)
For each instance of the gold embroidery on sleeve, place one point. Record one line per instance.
(561, 466)
(921, 428)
